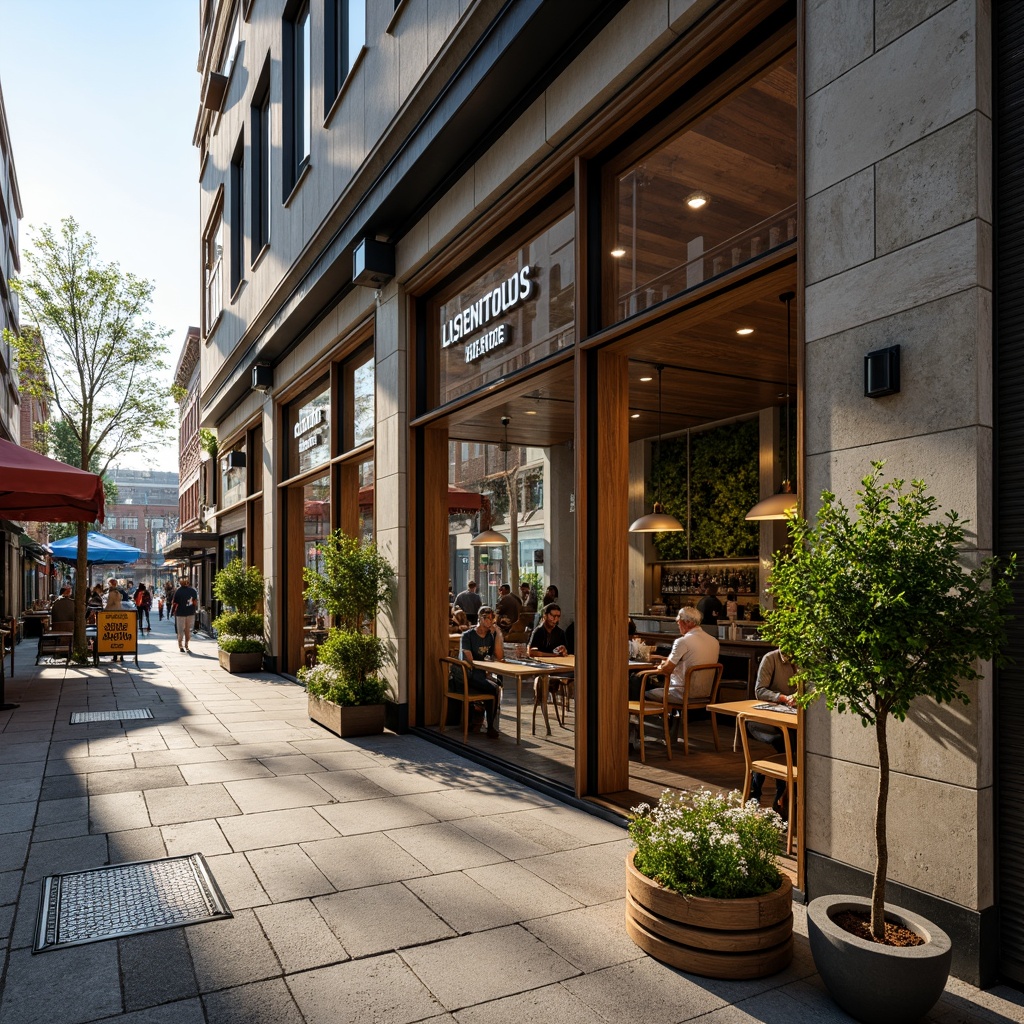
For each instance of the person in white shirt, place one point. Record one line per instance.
(692, 647)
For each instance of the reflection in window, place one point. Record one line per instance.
(232, 481)
(233, 547)
(316, 513)
(366, 489)
(717, 195)
(363, 403)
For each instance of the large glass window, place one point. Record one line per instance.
(237, 212)
(309, 430)
(213, 251)
(298, 114)
(232, 476)
(316, 514)
(259, 192)
(363, 406)
(232, 547)
(521, 309)
(344, 37)
(718, 194)
(366, 480)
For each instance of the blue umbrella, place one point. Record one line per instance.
(100, 550)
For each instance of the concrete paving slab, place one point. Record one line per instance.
(263, 748)
(363, 816)
(591, 939)
(109, 746)
(189, 803)
(10, 883)
(341, 760)
(443, 846)
(276, 794)
(517, 836)
(126, 781)
(379, 919)
(203, 837)
(209, 735)
(224, 771)
(293, 764)
(116, 812)
(552, 1003)
(61, 830)
(53, 811)
(353, 862)
(476, 968)
(63, 787)
(58, 856)
(20, 791)
(85, 764)
(348, 786)
(381, 989)
(231, 952)
(276, 828)
(135, 844)
(463, 904)
(300, 936)
(410, 779)
(592, 874)
(473, 801)
(528, 895)
(156, 968)
(69, 986)
(286, 873)
(15, 736)
(237, 881)
(16, 817)
(21, 770)
(645, 992)
(261, 1001)
(25, 914)
(19, 753)
(176, 737)
(184, 755)
(586, 829)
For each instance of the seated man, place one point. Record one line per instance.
(63, 609)
(547, 638)
(773, 686)
(483, 644)
(692, 647)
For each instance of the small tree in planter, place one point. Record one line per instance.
(240, 587)
(878, 611)
(354, 582)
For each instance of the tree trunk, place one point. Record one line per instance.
(881, 846)
(512, 484)
(81, 591)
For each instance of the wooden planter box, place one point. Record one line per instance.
(236, 663)
(740, 939)
(367, 720)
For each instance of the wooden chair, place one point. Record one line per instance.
(56, 642)
(700, 688)
(778, 766)
(463, 694)
(645, 709)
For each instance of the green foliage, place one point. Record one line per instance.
(705, 844)
(239, 586)
(354, 580)
(355, 656)
(724, 486)
(241, 644)
(324, 681)
(534, 579)
(179, 393)
(208, 441)
(880, 610)
(239, 624)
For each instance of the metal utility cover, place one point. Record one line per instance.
(81, 717)
(125, 899)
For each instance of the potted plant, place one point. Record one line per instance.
(240, 640)
(704, 892)
(347, 692)
(879, 611)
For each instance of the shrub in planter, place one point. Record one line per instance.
(240, 636)
(241, 644)
(704, 889)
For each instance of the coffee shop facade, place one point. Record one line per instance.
(539, 242)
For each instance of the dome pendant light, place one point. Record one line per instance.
(658, 521)
(783, 504)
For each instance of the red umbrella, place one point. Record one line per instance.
(43, 490)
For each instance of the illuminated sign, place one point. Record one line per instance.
(481, 314)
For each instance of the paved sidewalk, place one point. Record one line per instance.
(378, 880)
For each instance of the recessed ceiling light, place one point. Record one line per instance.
(697, 200)
(645, 380)
(634, 416)
(531, 412)
(618, 252)
(744, 330)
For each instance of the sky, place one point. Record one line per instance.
(101, 99)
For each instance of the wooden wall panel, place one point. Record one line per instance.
(294, 541)
(432, 591)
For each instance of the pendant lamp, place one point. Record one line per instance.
(783, 504)
(489, 538)
(658, 521)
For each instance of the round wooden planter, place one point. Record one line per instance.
(740, 939)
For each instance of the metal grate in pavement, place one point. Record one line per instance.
(125, 899)
(81, 717)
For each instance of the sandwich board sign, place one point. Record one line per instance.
(116, 633)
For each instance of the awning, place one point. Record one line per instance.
(44, 490)
(99, 550)
(183, 543)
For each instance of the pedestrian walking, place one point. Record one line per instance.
(143, 605)
(160, 608)
(168, 598)
(184, 605)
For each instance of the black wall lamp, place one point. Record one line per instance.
(262, 377)
(882, 372)
(373, 263)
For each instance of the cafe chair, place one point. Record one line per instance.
(644, 709)
(453, 691)
(56, 642)
(778, 766)
(700, 688)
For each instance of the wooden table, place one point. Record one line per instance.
(520, 670)
(780, 719)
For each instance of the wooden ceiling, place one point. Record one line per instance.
(710, 373)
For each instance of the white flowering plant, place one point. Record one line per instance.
(707, 844)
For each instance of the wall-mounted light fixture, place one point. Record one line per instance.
(373, 263)
(882, 372)
(262, 377)
(236, 460)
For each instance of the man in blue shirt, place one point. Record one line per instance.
(480, 645)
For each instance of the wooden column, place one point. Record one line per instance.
(602, 485)
(294, 558)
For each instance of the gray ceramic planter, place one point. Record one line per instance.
(874, 983)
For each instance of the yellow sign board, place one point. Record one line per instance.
(116, 632)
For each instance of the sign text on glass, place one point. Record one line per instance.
(507, 295)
